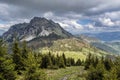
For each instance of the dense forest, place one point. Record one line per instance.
(19, 60)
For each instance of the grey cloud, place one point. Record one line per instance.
(62, 11)
(30, 8)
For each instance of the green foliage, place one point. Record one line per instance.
(78, 63)
(27, 64)
(25, 50)
(17, 57)
(96, 73)
(112, 75)
(46, 61)
(61, 62)
(33, 71)
(88, 62)
(64, 58)
(6, 64)
(108, 64)
(105, 69)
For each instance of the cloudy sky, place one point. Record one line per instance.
(76, 16)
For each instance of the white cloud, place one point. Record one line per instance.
(90, 26)
(106, 21)
(65, 21)
(115, 15)
(4, 27)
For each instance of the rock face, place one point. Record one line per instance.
(36, 28)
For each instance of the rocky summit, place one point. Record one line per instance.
(36, 28)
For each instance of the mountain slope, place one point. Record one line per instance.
(38, 27)
(110, 47)
(106, 47)
(72, 48)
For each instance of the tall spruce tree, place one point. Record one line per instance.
(6, 64)
(25, 50)
(46, 62)
(61, 62)
(64, 58)
(33, 70)
(17, 57)
(78, 63)
(96, 73)
(88, 61)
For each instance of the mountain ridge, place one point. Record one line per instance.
(37, 27)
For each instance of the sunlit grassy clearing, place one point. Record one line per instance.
(69, 72)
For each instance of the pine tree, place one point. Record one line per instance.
(88, 61)
(78, 63)
(46, 62)
(107, 64)
(117, 65)
(6, 64)
(96, 60)
(17, 58)
(33, 70)
(72, 62)
(64, 58)
(96, 73)
(61, 62)
(68, 62)
(24, 50)
(112, 75)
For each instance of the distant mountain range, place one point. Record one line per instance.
(108, 46)
(106, 36)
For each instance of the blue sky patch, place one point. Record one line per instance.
(2, 22)
(85, 21)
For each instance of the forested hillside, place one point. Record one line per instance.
(25, 64)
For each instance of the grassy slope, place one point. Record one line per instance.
(74, 48)
(69, 73)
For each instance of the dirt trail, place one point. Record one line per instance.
(67, 76)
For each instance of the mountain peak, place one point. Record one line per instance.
(36, 19)
(37, 27)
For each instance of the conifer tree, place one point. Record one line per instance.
(96, 73)
(24, 50)
(78, 63)
(96, 60)
(88, 61)
(17, 57)
(6, 64)
(68, 62)
(33, 70)
(64, 58)
(107, 64)
(72, 62)
(46, 62)
(111, 75)
(61, 62)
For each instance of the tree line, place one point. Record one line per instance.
(23, 61)
(103, 68)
